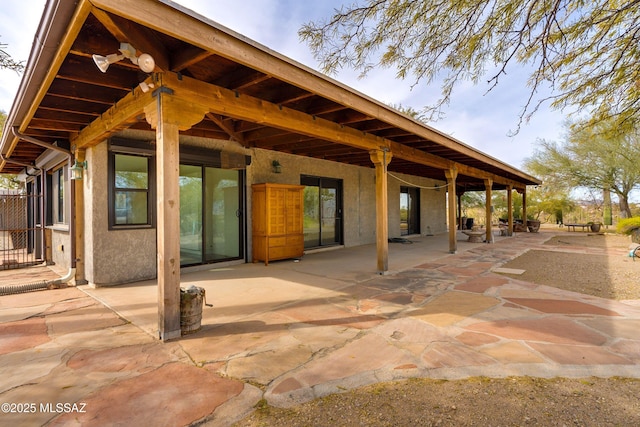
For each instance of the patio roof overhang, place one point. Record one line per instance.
(247, 92)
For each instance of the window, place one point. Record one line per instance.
(130, 199)
(57, 187)
(60, 181)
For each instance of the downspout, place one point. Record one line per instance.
(13, 289)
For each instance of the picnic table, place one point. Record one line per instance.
(570, 226)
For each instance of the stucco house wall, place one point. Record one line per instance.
(432, 203)
(125, 255)
(61, 247)
(358, 204)
(112, 256)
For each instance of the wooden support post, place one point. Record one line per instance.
(168, 115)
(78, 213)
(524, 206)
(451, 175)
(461, 223)
(488, 184)
(510, 210)
(381, 160)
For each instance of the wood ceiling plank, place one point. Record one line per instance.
(139, 37)
(86, 92)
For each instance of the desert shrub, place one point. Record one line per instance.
(628, 225)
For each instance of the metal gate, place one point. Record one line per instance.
(21, 238)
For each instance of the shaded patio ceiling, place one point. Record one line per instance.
(64, 92)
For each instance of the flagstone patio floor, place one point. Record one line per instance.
(297, 330)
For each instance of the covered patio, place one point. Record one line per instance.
(167, 74)
(241, 291)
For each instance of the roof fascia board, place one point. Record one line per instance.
(211, 36)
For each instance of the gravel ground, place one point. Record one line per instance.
(612, 275)
(473, 402)
(517, 401)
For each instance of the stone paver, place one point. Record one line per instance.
(291, 332)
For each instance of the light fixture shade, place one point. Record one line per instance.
(103, 62)
(77, 169)
(146, 63)
(277, 167)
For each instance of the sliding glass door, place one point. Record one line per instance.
(223, 215)
(190, 214)
(211, 220)
(322, 211)
(409, 210)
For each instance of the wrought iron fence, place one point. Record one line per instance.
(21, 237)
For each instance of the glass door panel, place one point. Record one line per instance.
(223, 214)
(311, 218)
(409, 211)
(329, 204)
(322, 211)
(404, 213)
(190, 215)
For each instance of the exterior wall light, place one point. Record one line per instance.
(144, 61)
(277, 167)
(77, 169)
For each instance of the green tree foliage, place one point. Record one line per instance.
(500, 204)
(473, 199)
(549, 204)
(593, 157)
(626, 226)
(585, 52)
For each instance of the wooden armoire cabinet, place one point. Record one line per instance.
(277, 222)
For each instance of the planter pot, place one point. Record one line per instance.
(533, 225)
(595, 227)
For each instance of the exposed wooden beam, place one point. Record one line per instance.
(187, 57)
(231, 103)
(118, 117)
(228, 129)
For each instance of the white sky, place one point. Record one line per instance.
(473, 117)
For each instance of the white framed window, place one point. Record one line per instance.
(58, 200)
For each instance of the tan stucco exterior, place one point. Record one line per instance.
(119, 256)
